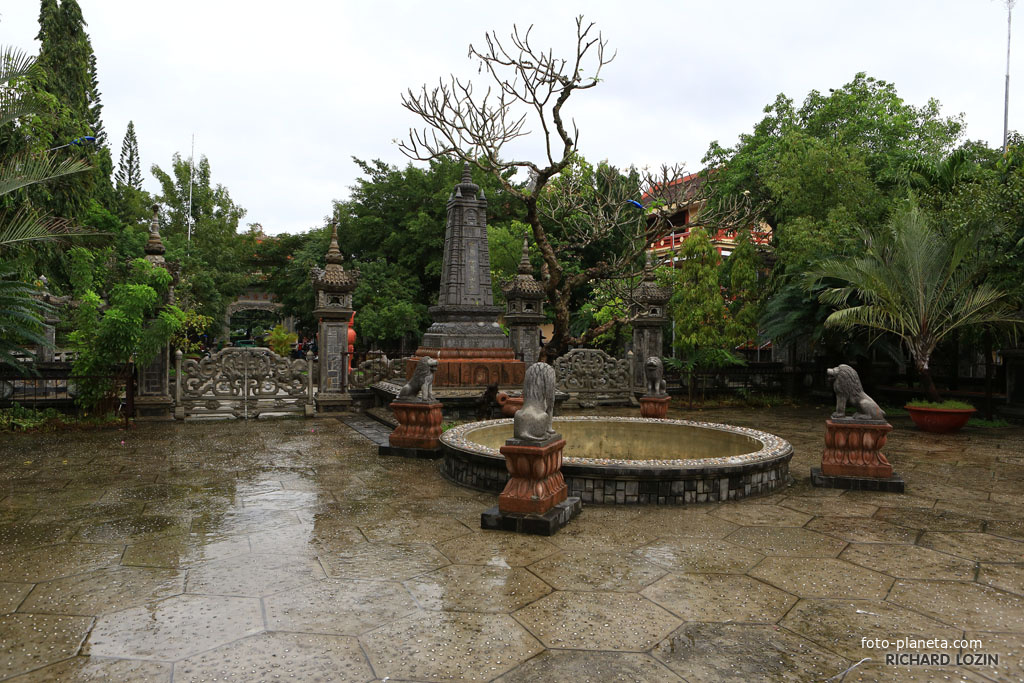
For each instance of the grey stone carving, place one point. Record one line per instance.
(421, 387)
(243, 382)
(654, 376)
(590, 374)
(532, 422)
(846, 383)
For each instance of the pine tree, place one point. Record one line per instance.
(68, 84)
(129, 171)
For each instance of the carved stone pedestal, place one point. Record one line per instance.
(418, 430)
(853, 458)
(654, 406)
(535, 483)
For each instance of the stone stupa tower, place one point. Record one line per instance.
(465, 337)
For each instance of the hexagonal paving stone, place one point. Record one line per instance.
(498, 548)
(414, 529)
(863, 530)
(100, 669)
(699, 555)
(25, 535)
(822, 577)
(11, 595)
(909, 561)
(281, 499)
(184, 551)
(745, 652)
(338, 606)
(602, 571)
(840, 625)
(449, 645)
(966, 605)
(751, 514)
(595, 532)
(29, 641)
(1009, 647)
(243, 521)
(394, 562)
(253, 575)
(1014, 530)
(880, 673)
(175, 628)
(671, 522)
(585, 666)
(1008, 577)
(298, 656)
(929, 520)
(104, 590)
(984, 509)
(134, 529)
(719, 597)
(55, 561)
(837, 507)
(979, 547)
(787, 541)
(909, 501)
(597, 621)
(476, 588)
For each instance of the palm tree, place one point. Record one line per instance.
(24, 169)
(916, 284)
(20, 311)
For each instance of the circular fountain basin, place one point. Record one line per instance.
(632, 460)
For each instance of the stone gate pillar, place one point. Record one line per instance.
(333, 286)
(650, 317)
(153, 400)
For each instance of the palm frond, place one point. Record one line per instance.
(14, 63)
(25, 169)
(28, 226)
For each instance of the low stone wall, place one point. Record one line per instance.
(631, 485)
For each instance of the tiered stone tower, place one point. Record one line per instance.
(465, 337)
(651, 316)
(524, 312)
(153, 400)
(333, 286)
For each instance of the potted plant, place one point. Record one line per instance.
(941, 418)
(918, 285)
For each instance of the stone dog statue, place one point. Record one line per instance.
(532, 422)
(654, 373)
(846, 383)
(421, 386)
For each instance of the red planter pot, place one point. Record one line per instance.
(940, 420)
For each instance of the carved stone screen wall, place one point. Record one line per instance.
(243, 382)
(591, 375)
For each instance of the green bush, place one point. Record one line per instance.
(949, 405)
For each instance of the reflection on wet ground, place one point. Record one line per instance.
(289, 549)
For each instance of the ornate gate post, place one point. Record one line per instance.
(333, 286)
(153, 399)
(649, 309)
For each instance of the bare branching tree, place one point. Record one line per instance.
(611, 216)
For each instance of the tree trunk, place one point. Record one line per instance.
(989, 407)
(931, 392)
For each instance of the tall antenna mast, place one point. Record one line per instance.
(192, 174)
(1006, 99)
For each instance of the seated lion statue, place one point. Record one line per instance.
(654, 373)
(846, 383)
(532, 422)
(421, 386)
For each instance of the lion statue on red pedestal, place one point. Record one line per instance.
(846, 383)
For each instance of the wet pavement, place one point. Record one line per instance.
(287, 549)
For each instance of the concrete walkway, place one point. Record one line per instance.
(287, 549)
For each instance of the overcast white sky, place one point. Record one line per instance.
(280, 96)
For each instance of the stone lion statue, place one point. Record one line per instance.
(654, 373)
(532, 422)
(421, 386)
(846, 383)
